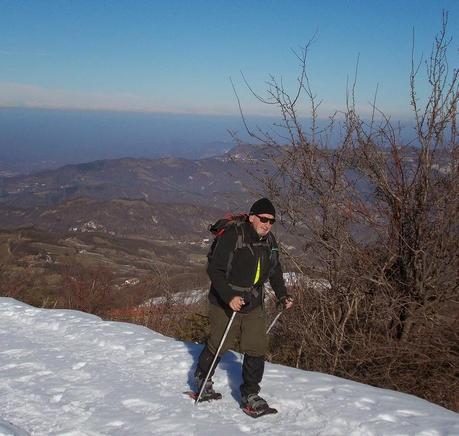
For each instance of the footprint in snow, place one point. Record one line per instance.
(409, 413)
(141, 406)
(362, 405)
(323, 389)
(386, 417)
(78, 365)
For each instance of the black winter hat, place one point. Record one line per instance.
(263, 205)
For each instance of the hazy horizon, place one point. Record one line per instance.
(47, 138)
(36, 139)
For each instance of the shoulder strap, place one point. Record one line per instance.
(242, 239)
(240, 243)
(240, 236)
(274, 253)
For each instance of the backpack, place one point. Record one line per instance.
(220, 227)
(237, 221)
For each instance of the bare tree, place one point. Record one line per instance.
(416, 192)
(377, 218)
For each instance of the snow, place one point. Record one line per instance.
(68, 373)
(186, 297)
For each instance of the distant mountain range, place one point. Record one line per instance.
(221, 181)
(130, 215)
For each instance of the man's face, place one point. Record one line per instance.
(262, 228)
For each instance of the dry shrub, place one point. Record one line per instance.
(26, 285)
(171, 318)
(15, 284)
(352, 339)
(89, 289)
(376, 214)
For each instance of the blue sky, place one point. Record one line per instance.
(177, 56)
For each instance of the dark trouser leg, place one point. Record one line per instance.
(254, 345)
(252, 373)
(219, 319)
(205, 360)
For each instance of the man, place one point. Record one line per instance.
(237, 275)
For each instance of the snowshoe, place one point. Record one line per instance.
(206, 396)
(255, 406)
(257, 413)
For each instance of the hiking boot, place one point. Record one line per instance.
(208, 392)
(254, 402)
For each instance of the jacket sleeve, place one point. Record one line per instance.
(276, 280)
(219, 264)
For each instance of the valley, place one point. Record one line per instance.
(143, 222)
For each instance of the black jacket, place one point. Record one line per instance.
(243, 268)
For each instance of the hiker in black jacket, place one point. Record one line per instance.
(238, 269)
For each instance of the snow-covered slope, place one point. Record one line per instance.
(69, 373)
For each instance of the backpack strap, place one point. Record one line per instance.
(240, 243)
(274, 253)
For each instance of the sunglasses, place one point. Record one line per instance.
(265, 220)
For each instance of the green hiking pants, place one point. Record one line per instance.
(250, 328)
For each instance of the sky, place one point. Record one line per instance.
(69, 373)
(177, 57)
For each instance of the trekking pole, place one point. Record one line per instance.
(274, 321)
(216, 356)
